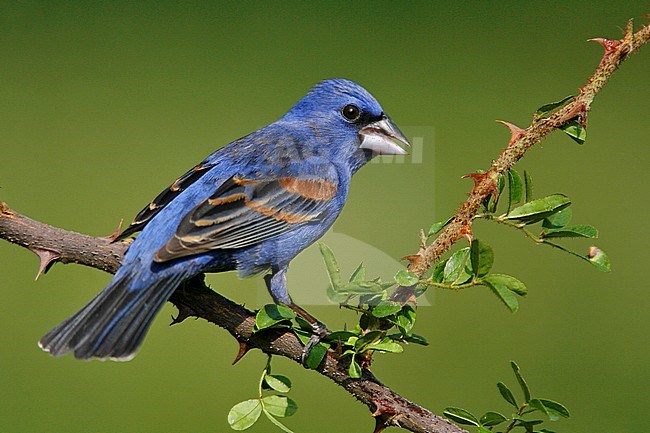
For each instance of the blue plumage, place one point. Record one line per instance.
(251, 206)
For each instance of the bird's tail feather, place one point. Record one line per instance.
(114, 323)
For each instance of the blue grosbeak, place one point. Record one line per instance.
(251, 206)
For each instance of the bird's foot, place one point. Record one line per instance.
(319, 331)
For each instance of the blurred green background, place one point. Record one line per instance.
(104, 103)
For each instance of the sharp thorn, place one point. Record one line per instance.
(609, 45)
(243, 350)
(47, 259)
(183, 313)
(117, 231)
(515, 132)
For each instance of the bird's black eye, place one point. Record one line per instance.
(351, 112)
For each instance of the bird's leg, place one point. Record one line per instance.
(276, 282)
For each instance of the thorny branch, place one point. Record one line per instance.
(195, 299)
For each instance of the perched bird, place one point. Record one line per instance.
(251, 206)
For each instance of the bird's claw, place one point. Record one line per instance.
(319, 331)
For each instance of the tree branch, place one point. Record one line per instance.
(616, 51)
(196, 299)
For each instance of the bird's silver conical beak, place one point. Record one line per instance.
(383, 137)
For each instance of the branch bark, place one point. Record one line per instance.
(196, 299)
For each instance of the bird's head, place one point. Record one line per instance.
(351, 119)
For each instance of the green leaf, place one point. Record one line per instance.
(277, 423)
(482, 257)
(461, 416)
(343, 336)
(330, 264)
(558, 219)
(599, 259)
(520, 379)
(504, 286)
(507, 394)
(278, 383)
(406, 319)
(456, 269)
(539, 209)
(574, 129)
(385, 309)
(491, 419)
(515, 188)
(571, 232)
(315, 356)
(386, 345)
(482, 429)
(244, 414)
(436, 227)
(272, 315)
(554, 408)
(438, 272)
(528, 186)
(411, 338)
(406, 278)
(355, 369)
(547, 109)
(367, 339)
(279, 405)
(359, 274)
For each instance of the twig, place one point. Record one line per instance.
(616, 51)
(196, 299)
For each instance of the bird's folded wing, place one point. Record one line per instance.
(244, 212)
(164, 198)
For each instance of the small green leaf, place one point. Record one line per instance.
(279, 405)
(558, 219)
(539, 209)
(504, 287)
(461, 416)
(515, 188)
(273, 315)
(385, 309)
(406, 278)
(507, 394)
(574, 129)
(520, 379)
(491, 419)
(359, 274)
(547, 109)
(406, 319)
(456, 269)
(278, 383)
(343, 336)
(599, 259)
(554, 408)
(386, 345)
(436, 227)
(277, 423)
(355, 369)
(482, 257)
(244, 414)
(316, 354)
(438, 272)
(571, 232)
(412, 338)
(482, 429)
(330, 264)
(367, 339)
(528, 186)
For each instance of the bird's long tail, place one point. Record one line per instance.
(114, 323)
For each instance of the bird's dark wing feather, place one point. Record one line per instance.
(244, 212)
(163, 199)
